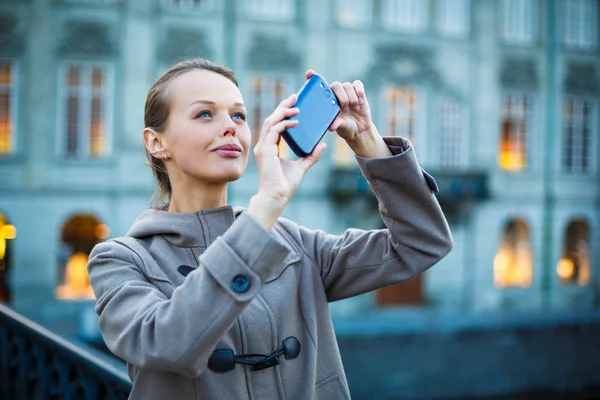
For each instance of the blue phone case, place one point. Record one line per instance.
(318, 108)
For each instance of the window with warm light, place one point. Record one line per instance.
(79, 236)
(400, 112)
(405, 15)
(452, 17)
(578, 135)
(579, 19)
(513, 261)
(520, 21)
(85, 110)
(272, 10)
(517, 127)
(8, 233)
(265, 95)
(343, 156)
(355, 13)
(574, 265)
(450, 131)
(7, 107)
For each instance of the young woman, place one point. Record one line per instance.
(205, 301)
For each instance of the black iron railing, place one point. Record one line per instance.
(38, 364)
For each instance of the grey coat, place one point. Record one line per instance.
(250, 288)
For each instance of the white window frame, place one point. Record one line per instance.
(453, 18)
(576, 167)
(459, 124)
(267, 107)
(264, 10)
(405, 15)
(531, 126)
(517, 27)
(354, 13)
(574, 13)
(185, 6)
(14, 93)
(84, 113)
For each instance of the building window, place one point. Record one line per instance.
(273, 10)
(7, 107)
(342, 153)
(189, 5)
(579, 23)
(400, 112)
(517, 127)
(520, 21)
(513, 261)
(86, 111)
(355, 13)
(574, 265)
(450, 131)
(578, 128)
(79, 236)
(8, 233)
(266, 94)
(404, 15)
(453, 17)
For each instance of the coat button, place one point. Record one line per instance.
(240, 283)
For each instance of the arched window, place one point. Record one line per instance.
(7, 233)
(574, 264)
(80, 234)
(513, 261)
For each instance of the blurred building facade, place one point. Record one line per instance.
(500, 99)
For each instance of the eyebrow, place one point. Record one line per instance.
(212, 103)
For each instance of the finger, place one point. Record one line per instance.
(313, 157)
(273, 134)
(359, 89)
(279, 115)
(336, 124)
(340, 93)
(352, 98)
(309, 73)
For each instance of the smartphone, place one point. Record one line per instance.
(318, 108)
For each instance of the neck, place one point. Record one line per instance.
(188, 197)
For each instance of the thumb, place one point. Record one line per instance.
(307, 162)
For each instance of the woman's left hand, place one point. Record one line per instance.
(354, 118)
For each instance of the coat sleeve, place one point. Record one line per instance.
(178, 334)
(417, 234)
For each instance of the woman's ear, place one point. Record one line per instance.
(154, 144)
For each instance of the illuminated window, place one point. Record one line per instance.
(513, 261)
(404, 15)
(577, 135)
(355, 13)
(516, 131)
(7, 107)
(266, 94)
(579, 23)
(342, 154)
(79, 236)
(189, 5)
(400, 112)
(452, 17)
(574, 265)
(275, 10)
(85, 110)
(450, 131)
(519, 21)
(8, 233)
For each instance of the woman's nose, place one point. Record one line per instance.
(229, 129)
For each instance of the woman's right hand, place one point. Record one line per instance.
(279, 179)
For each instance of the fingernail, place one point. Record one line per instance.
(346, 109)
(356, 108)
(360, 100)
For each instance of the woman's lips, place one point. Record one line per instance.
(229, 150)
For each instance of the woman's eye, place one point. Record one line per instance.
(203, 114)
(239, 116)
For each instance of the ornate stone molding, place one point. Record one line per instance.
(581, 78)
(180, 43)
(519, 73)
(271, 53)
(92, 38)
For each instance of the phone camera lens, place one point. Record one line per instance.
(327, 92)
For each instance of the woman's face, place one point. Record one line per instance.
(207, 136)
